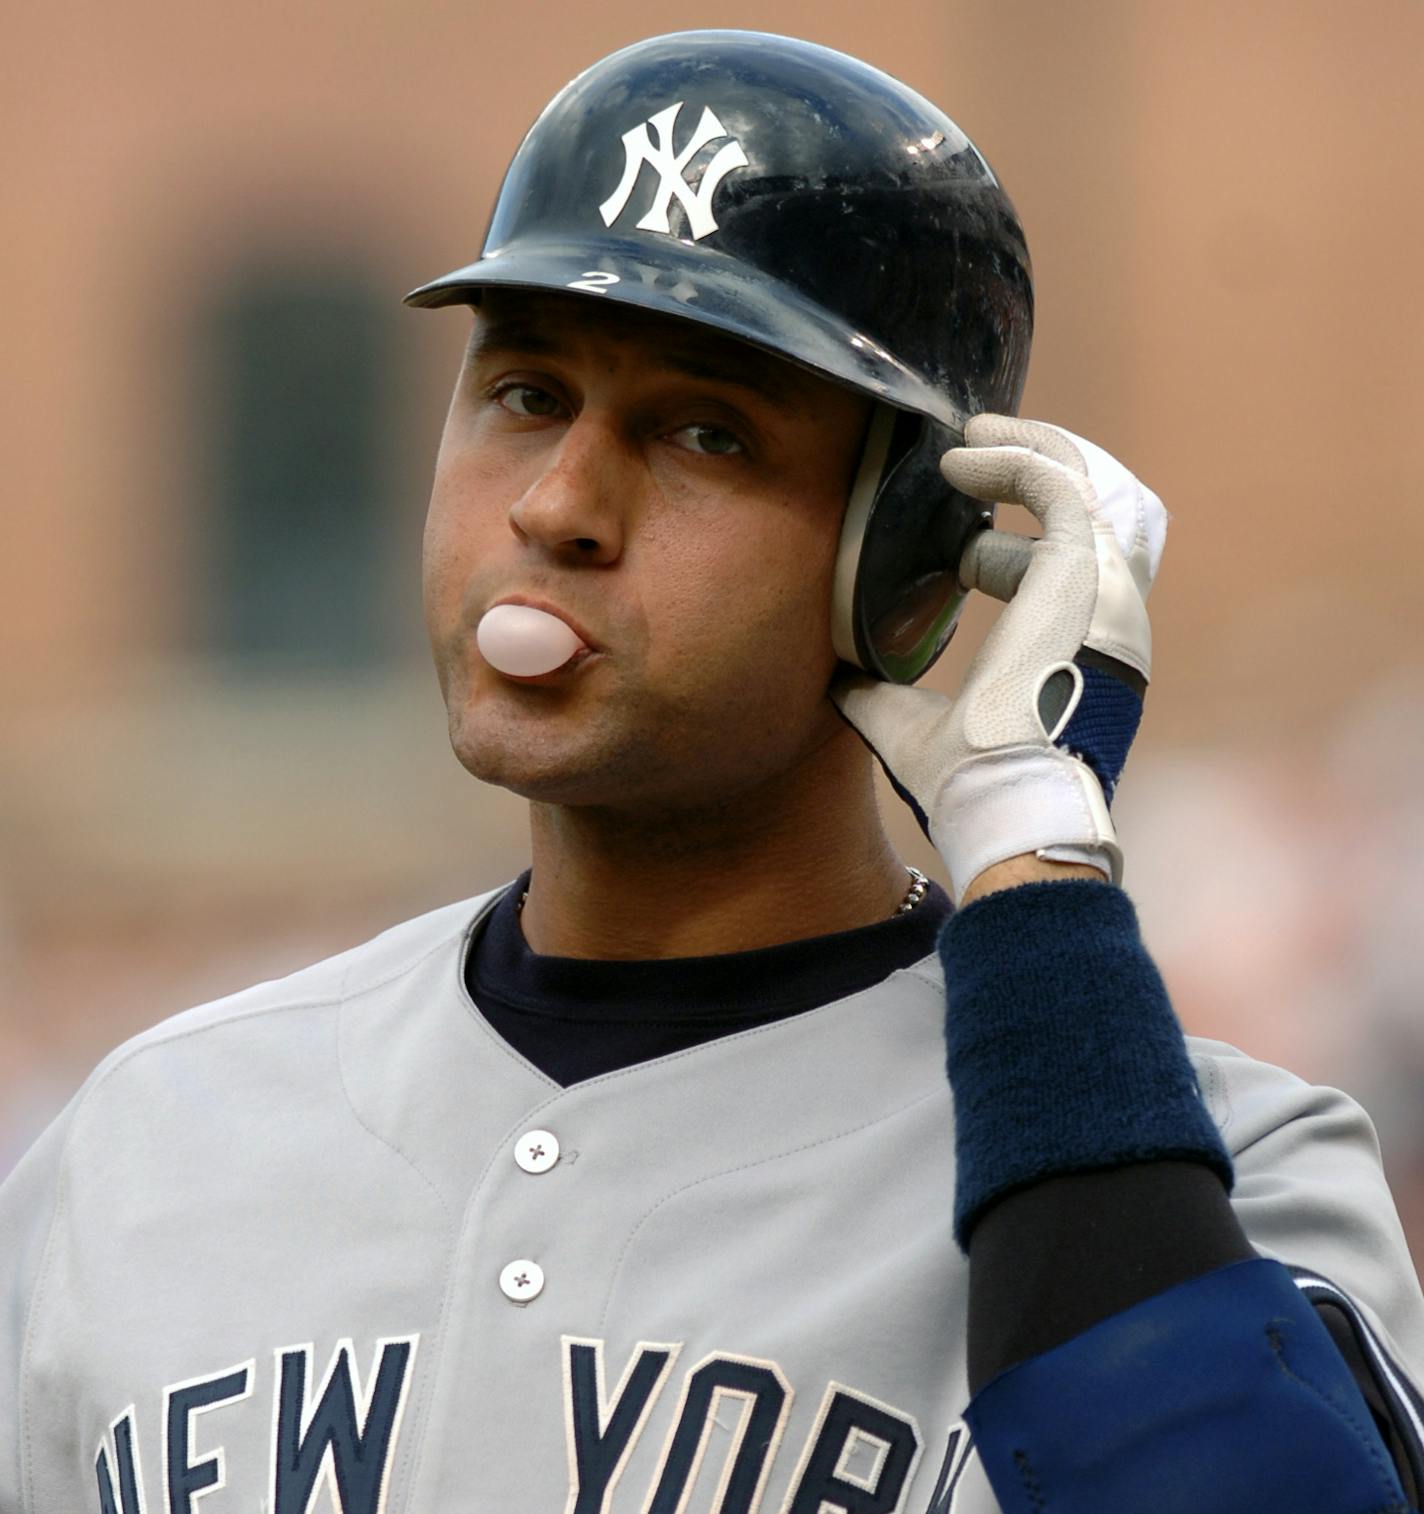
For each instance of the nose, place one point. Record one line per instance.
(575, 508)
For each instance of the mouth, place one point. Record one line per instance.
(532, 641)
(554, 676)
(534, 602)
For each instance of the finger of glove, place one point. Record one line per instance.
(1136, 513)
(1138, 517)
(1049, 615)
(988, 430)
(1130, 532)
(1040, 629)
(1058, 498)
(1078, 590)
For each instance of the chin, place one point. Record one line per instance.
(538, 765)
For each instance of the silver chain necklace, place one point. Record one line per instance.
(919, 887)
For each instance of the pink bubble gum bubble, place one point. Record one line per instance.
(525, 642)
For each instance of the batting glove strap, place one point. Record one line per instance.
(1018, 800)
(1223, 1393)
(1063, 1051)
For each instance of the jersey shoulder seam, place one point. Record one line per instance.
(180, 1027)
(473, 909)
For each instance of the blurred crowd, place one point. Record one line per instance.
(1282, 893)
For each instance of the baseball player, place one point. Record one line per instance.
(639, 1184)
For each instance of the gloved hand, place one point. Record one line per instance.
(1025, 759)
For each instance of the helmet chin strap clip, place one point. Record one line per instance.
(868, 478)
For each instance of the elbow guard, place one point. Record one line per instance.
(1223, 1395)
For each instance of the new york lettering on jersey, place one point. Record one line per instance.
(719, 1437)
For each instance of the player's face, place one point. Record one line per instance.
(674, 495)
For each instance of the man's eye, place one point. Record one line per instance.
(525, 399)
(715, 441)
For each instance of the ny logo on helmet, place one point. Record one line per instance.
(638, 149)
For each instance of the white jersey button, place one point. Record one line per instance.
(537, 1150)
(522, 1281)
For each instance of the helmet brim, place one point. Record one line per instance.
(709, 289)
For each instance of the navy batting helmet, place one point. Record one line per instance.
(807, 203)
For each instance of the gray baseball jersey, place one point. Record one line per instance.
(330, 1244)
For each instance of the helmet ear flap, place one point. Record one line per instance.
(897, 594)
(874, 458)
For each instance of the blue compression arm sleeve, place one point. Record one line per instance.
(1223, 1395)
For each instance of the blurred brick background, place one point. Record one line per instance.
(221, 749)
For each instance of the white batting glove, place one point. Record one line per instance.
(985, 769)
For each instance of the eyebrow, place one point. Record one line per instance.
(761, 374)
(508, 333)
(722, 362)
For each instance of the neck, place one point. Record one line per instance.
(805, 855)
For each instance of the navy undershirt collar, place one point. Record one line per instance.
(575, 1018)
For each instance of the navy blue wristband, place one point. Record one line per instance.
(1064, 1054)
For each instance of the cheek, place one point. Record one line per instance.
(442, 577)
(441, 552)
(460, 529)
(749, 605)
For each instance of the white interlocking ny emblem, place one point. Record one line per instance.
(670, 167)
